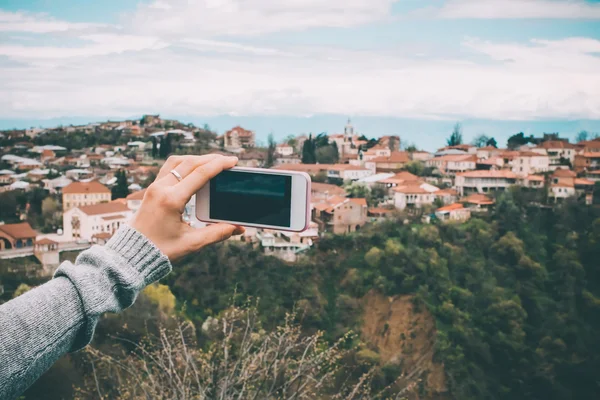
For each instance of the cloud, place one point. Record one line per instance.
(517, 9)
(540, 79)
(202, 18)
(38, 23)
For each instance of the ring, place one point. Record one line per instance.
(176, 175)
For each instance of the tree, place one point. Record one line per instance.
(270, 152)
(291, 140)
(456, 137)
(415, 168)
(480, 140)
(357, 190)
(120, 190)
(52, 214)
(517, 140)
(165, 146)
(154, 147)
(410, 147)
(582, 136)
(492, 142)
(327, 154)
(308, 151)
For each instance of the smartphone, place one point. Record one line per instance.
(256, 197)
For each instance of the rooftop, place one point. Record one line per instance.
(104, 208)
(18, 231)
(496, 174)
(86, 187)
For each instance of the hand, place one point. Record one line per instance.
(159, 217)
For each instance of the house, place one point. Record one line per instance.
(529, 162)
(564, 184)
(84, 194)
(447, 196)
(323, 191)
(238, 138)
(493, 162)
(392, 142)
(420, 156)
(487, 152)
(484, 181)
(47, 155)
(478, 202)
(589, 146)
(6, 177)
(79, 174)
(533, 181)
(21, 163)
(560, 152)
(286, 160)
(376, 152)
(587, 162)
(394, 162)
(340, 215)
(56, 185)
(284, 149)
(134, 200)
(590, 175)
(455, 212)
(453, 163)
(84, 222)
(348, 172)
(379, 213)
(399, 179)
(413, 195)
(16, 236)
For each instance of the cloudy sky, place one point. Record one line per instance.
(426, 60)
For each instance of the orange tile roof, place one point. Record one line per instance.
(85, 187)
(19, 231)
(104, 208)
(564, 183)
(102, 235)
(456, 157)
(139, 195)
(359, 201)
(446, 192)
(556, 144)
(45, 241)
(581, 181)
(451, 207)
(380, 210)
(410, 189)
(478, 198)
(504, 174)
(400, 177)
(327, 188)
(530, 154)
(537, 178)
(240, 131)
(111, 217)
(563, 173)
(590, 155)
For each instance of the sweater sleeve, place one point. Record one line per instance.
(40, 326)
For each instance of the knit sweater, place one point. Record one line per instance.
(42, 325)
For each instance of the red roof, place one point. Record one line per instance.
(327, 188)
(556, 144)
(411, 189)
(85, 187)
(581, 181)
(380, 210)
(45, 241)
(241, 132)
(564, 173)
(456, 158)
(446, 192)
(451, 207)
(139, 195)
(359, 201)
(19, 231)
(537, 178)
(477, 198)
(504, 174)
(104, 208)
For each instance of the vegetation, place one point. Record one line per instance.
(456, 137)
(515, 296)
(120, 190)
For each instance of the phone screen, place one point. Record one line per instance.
(253, 198)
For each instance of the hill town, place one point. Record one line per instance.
(66, 188)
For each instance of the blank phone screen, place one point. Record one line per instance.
(253, 198)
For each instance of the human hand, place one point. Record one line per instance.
(159, 217)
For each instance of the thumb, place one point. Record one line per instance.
(213, 234)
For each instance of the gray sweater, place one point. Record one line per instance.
(42, 325)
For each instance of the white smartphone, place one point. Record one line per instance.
(256, 197)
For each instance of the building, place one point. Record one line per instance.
(587, 162)
(560, 152)
(323, 191)
(478, 202)
(84, 222)
(589, 146)
(238, 138)
(564, 184)
(533, 181)
(16, 236)
(348, 172)
(453, 163)
(394, 162)
(392, 142)
(84, 194)
(340, 215)
(529, 162)
(376, 152)
(447, 196)
(465, 148)
(284, 149)
(484, 181)
(455, 212)
(487, 152)
(420, 156)
(414, 195)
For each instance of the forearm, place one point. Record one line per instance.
(40, 326)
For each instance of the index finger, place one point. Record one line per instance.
(201, 175)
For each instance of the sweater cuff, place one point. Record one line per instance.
(140, 253)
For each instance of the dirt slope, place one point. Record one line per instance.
(404, 337)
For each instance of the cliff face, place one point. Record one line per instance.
(405, 337)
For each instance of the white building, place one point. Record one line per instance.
(284, 149)
(348, 172)
(86, 222)
(529, 162)
(484, 181)
(414, 195)
(558, 151)
(453, 163)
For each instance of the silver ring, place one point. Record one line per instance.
(176, 175)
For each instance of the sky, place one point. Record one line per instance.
(406, 67)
